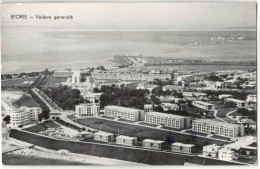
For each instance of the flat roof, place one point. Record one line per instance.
(182, 144)
(103, 133)
(205, 103)
(127, 137)
(235, 100)
(213, 122)
(169, 104)
(122, 108)
(164, 115)
(153, 141)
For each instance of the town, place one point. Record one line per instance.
(138, 107)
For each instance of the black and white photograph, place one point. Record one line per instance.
(129, 83)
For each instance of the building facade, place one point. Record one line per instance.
(87, 110)
(251, 98)
(168, 120)
(218, 128)
(239, 103)
(63, 73)
(203, 105)
(226, 154)
(104, 136)
(125, 140)
(211, 150)
(183, 148)
(153, 144)
(124, 113)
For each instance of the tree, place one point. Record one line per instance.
(96, 90)
(159, 109)
(45, 113)
(179, 83)
(40, 117)
(7, 119)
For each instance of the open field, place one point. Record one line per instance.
(144, 132)
(29, 160)
(115, 152)
(37, 128)
(26, 100)
(52, 81)
(26, 81)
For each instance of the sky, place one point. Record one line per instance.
(137, 16)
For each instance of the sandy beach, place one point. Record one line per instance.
(17, 148)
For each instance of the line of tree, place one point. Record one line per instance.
(122, 96)
(67, 124)
(64, 97)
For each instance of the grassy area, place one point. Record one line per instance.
(27, 81)
(129, 121)
(148, 124)
(29, 160)
(223, 113)
(54, 81)
(39, 127)
(26, 100)
(236, 114)
(194, 132)
(141, 131)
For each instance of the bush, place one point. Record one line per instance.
(20, 126)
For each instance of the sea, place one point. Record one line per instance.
(34, 48)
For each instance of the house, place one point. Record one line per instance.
(251, 98)
(249, 123)
(203, 105)
(226, 154)
(239, 103)
(170, 106)
(125, 140)
(183, 148)
(153, 144)
(104, 136)
(211, 150)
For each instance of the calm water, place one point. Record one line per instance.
(32, 48)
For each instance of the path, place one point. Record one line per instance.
(215, 115)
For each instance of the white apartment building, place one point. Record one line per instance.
(211, 150)
(104, 136)
(203, 105)
(76, 77)
(226, 154)
(251, 98)
(63, 73)
(124, 113)
(183, 148)
(125, 140)
(153, 144)
(223, 96)
(218, 85)
(239, 103)
(87, 109)
(23, 115)
(168, 120)
(218, 128)
(170, 106)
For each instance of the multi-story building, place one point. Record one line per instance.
(183, 148)
(87, 109)
(63, 73)
(218, 128)
(211, 150)
(239, 103)
(124, 113)
(131, 76)
(194, 95)
(168, 120)
(203, 105)
(251, 98)
(125, 140)
(23, 115)
(153, 144)
(226, 154)
(218, 85)
(104, 136)
(170, 106)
